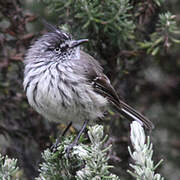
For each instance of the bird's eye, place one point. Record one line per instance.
(64, 48)
(57, 49)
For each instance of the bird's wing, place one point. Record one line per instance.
(102, 85)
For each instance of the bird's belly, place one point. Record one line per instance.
(61, 103)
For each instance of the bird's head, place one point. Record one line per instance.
(56, 45)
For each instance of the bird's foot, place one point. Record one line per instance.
(53, 148)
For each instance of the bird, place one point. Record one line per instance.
(65, 84)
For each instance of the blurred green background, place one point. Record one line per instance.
(139, 50)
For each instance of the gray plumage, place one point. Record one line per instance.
(66, 84)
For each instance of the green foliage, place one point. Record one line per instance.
(114, 22)
(8, 167)
(57, 165)
(90, 161)
(111, 18)
(159, 2)
(165, 34)
(85, 161)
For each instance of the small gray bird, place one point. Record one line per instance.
(65, 84)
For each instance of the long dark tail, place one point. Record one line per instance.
(134, 115)
(102, 86)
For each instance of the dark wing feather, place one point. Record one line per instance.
(102, 85)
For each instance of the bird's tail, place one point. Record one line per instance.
(102, 86)
(134, 115)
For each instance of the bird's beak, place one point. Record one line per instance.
(78, 42)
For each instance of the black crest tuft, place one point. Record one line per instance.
(59, 33)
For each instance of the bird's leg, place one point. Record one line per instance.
(58, 140)
(75, 142)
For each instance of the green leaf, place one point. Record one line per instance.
(155, 51)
